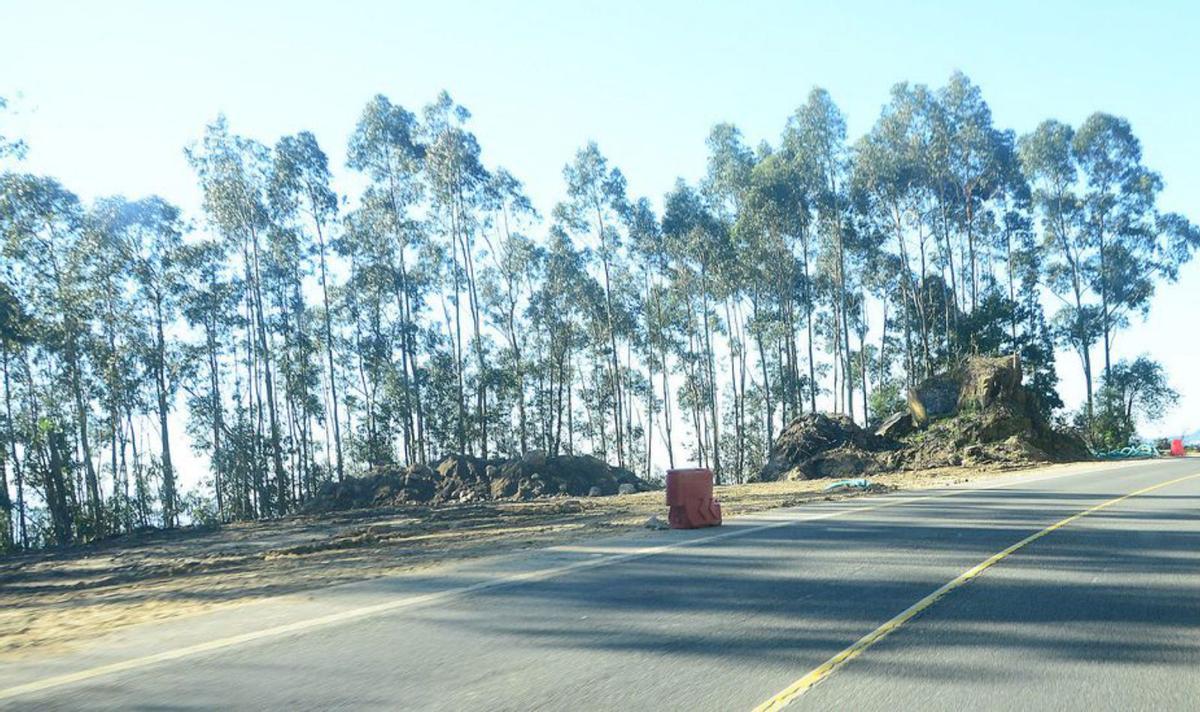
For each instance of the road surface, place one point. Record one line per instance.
(1097, 612)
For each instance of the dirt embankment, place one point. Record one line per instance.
(963, 425)
(59, 599)
(460, 479)
(977, 414)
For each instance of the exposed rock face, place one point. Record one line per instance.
(463, 478)
(977, 383)
(975, 414)
(935, 397)
(896, 426)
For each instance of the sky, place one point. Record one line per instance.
(108, 94)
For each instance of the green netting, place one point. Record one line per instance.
(1129, 452)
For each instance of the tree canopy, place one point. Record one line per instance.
(295, 335)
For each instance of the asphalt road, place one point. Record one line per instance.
(1102, 613)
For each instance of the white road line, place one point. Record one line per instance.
(452, 593)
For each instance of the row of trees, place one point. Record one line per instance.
(309, 337)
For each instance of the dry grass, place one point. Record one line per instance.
(50, 601)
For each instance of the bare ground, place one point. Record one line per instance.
(51, 601)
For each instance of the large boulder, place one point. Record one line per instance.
(975, 414)
(975, 384)
(979, 412)
(896, 426)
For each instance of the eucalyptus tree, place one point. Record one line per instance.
(14, 327)
(698, 244)
(815, 138)
(234, 174)
(301, 187)
(594, 207)
(778, 251)
(727, 180)
(660, 321)
(387, 146)
(457, 183)
(888, 175)
(376, 328)
(508, 281)
(208, 305)
(1050, 165)
(975, 160)
(117, 349)
(145, 237)
(1119, 221)
(43, 231)
(556, 307)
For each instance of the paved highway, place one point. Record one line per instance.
(824, 606)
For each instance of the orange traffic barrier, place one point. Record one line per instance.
(1177, 447)
(690, 499)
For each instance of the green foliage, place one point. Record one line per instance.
(310, 336)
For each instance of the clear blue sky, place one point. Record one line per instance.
(108, 93)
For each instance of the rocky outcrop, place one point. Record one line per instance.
(993, 420)
(977, 413)
(976, 383)
(896, 426)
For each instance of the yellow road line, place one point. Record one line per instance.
(806, 683)
(54, 681)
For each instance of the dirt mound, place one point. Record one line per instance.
(978, 413)
(825, 445)
(464, 478)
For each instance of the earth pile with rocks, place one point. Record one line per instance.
(977, 413)
(465, 478)
(818, 445)
(992, 418)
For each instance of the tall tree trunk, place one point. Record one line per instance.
(18, 474)
(281, 478)
(169, 500)
(328, 328)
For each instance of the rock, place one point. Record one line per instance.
(976, 413)
(655, 523)
(933, 398)
(534, 458)
(986, 381)
(626, 488)
(896, 426)
(594, 492)
(975, 384)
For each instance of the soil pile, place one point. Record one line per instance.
(978, 413)
(818, 445)
(464, 478)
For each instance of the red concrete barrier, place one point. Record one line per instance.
(1177, 448)
(690, 499)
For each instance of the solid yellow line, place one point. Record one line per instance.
(804, 684)
(55, 681)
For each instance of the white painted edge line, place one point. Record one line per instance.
(774, 522)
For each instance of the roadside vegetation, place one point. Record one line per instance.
(304, 336)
